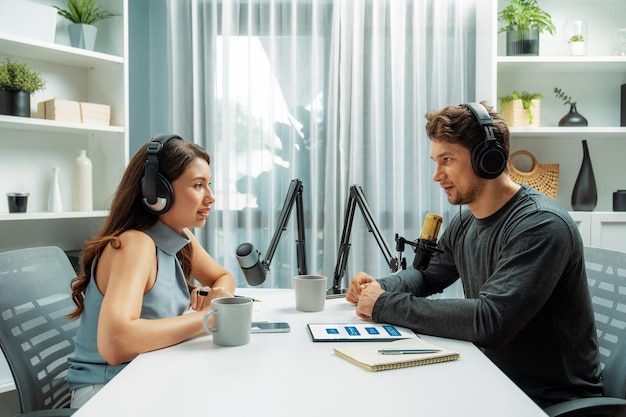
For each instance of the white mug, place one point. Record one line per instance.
(232, 320)
(310, 292)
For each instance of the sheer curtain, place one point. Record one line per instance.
(330, 92)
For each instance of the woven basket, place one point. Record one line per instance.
(542, 177)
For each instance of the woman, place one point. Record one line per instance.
(136, 273)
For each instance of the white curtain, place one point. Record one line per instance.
(329, 92)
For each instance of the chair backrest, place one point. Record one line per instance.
(35, 336)
(606, 274)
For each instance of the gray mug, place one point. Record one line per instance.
(232, 320)
(310, 292)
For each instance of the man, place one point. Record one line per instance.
(520, 259)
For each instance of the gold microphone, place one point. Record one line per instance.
(432, 224)
(427, 242)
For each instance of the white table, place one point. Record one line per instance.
(286, 374)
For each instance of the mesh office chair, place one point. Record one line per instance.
(35, 336)
(606, 273)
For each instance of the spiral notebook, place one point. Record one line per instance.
(392, 355)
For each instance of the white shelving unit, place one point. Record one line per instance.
(602, 228)
(593, 81)
(31, 147)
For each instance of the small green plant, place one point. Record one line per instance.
(84, 11)
(526, 98)
(16, 76)
(525, 15)
(563, 97)
(576, 38)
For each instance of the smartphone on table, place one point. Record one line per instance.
(270, 327)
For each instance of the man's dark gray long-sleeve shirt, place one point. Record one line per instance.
(526, 305)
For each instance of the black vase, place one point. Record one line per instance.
(15, 103)
(573, 118)
(585, 193)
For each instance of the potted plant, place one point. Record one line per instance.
(575, 31)
(83, 14)
(573, 118)
(521, 110)
(524, 22)
(17, 82)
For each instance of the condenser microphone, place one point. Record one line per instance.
(250, 263)
(427, 242)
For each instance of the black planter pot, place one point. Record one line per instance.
(573, 118)
(15, 103)
(522, 42)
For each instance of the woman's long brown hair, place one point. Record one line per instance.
(128, 211)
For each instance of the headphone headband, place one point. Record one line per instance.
(483, 117)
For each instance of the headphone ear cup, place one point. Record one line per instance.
(489, 159)
(164, 193)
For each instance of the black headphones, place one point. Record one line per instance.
(156, 190)
(489, 158)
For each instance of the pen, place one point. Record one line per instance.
(406, 351)
(204, 293)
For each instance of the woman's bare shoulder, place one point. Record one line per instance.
(133, 240)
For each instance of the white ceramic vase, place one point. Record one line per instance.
(82, 185)
(55, 203)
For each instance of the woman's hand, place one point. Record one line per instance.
(201, 296)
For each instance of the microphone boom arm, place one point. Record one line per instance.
(356, 197)
(294, 195)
